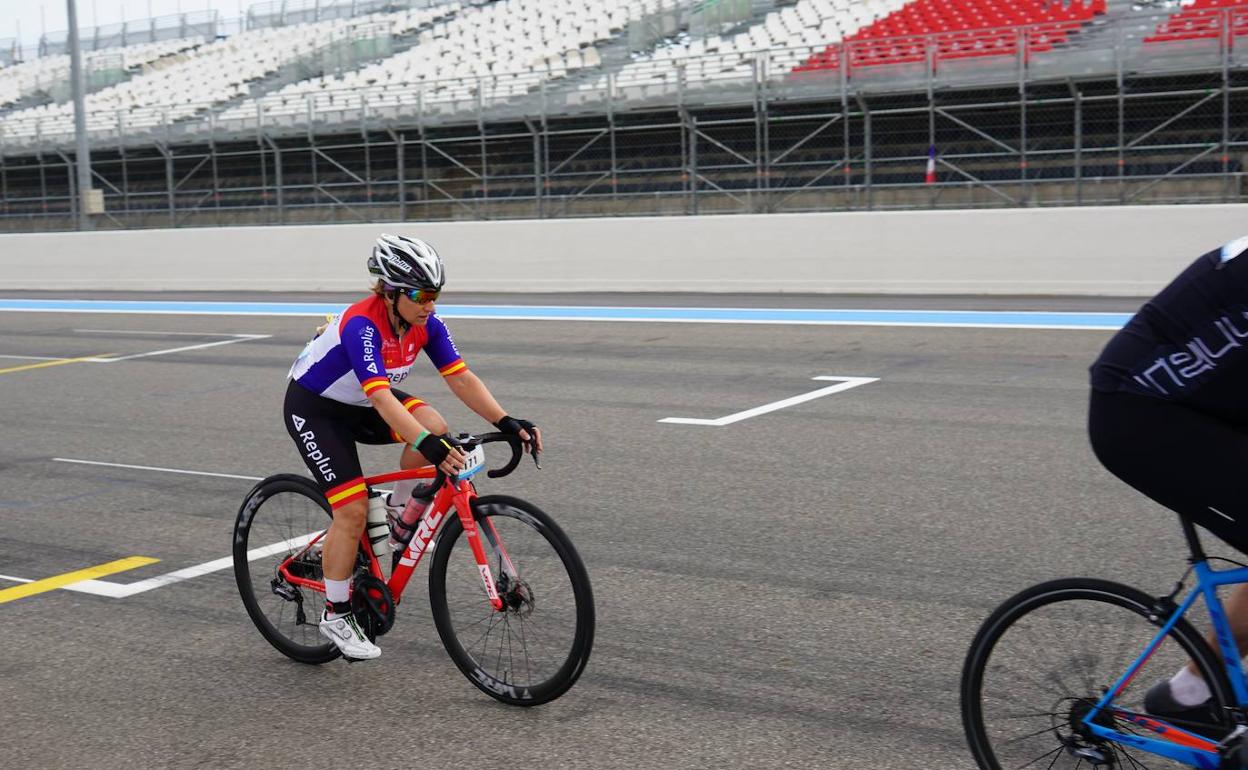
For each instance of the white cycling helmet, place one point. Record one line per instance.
(406, 263)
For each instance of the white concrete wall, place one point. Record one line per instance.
(1110, 251)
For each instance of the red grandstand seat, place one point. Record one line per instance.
(1203, 19)
(961, 29)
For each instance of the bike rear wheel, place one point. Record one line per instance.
(533, 650)
(277, 518)
(1047, 654)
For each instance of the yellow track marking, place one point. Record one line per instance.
(57, 362)
(60, 581)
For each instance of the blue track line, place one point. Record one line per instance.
(938, 318)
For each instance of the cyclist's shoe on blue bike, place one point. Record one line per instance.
(346, 634)
(1159, 702)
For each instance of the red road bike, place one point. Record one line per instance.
(510, 597)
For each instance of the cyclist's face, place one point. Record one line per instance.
(415, 313)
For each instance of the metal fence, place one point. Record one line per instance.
(200, 24)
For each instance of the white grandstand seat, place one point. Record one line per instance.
(211, 73)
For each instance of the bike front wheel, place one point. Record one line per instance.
(1048, 654)
(276, 521)
(534, 649)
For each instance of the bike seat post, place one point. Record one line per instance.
(1193, 542)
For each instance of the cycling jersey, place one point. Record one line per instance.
(1188, 344)
(358, 353)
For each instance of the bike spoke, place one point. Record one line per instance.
(1042, 757)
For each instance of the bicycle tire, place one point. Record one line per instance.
(981, 663)
(309, 498)
(527, 527)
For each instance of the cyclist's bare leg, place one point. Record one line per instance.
(343, 540)
(1236, 606)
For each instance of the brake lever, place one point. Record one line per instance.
(535, 454)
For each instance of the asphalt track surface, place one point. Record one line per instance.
(797, 589)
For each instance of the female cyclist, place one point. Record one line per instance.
(341, 393)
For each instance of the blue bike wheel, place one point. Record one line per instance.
(1047, 655)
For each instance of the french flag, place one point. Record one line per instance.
(931, 165)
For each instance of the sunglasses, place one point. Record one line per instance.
(421, 296)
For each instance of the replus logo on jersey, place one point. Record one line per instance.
(450, 341)
(368, 338)
(312, 451)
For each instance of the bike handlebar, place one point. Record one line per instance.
(469, 442)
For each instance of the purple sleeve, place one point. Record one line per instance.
(361, 341)
(441, 348)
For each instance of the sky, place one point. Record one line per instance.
(33, 17)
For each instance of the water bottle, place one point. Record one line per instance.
(404, 526)
(378, 527)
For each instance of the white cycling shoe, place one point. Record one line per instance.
(345, 633)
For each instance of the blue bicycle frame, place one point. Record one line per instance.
(1175, 743)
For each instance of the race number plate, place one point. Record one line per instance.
(474, 461)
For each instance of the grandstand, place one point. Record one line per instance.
(517, 108)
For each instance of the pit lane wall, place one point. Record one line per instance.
(1125, 251)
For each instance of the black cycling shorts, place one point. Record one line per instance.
(1191, 462)
(326, 432)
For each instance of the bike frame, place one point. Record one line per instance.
(1173, 742)
(457, 493)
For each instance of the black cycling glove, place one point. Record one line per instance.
(435, 448)
(514, 426)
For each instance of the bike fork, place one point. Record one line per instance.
(464, 508)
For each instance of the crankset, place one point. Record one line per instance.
(372, 605)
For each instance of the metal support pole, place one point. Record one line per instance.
(4, 179)
(1226, 111)
(1122, 129)
(368, 171)
(83, 152)
(537, 169)
(277, 180)
(164, 151)
(761, 167)
(264, 173)
(125, 171)
(74, 201)
(400, 172)
(312, 162)
(848, 175)
(484, 201)
(424, 170)
(615, 170)
(547, 181)
(931, 140)
(866, 151)
(1024, 192)
(43, 181)
(216, 180)
(693, 161)
(1078, 134)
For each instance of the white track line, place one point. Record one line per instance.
(845, 384)
(166, 334)
(154, 468)
(123, 590)
(238, 338)
(16, 579)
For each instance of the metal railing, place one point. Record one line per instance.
(1022, 55)
(1119, 118)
